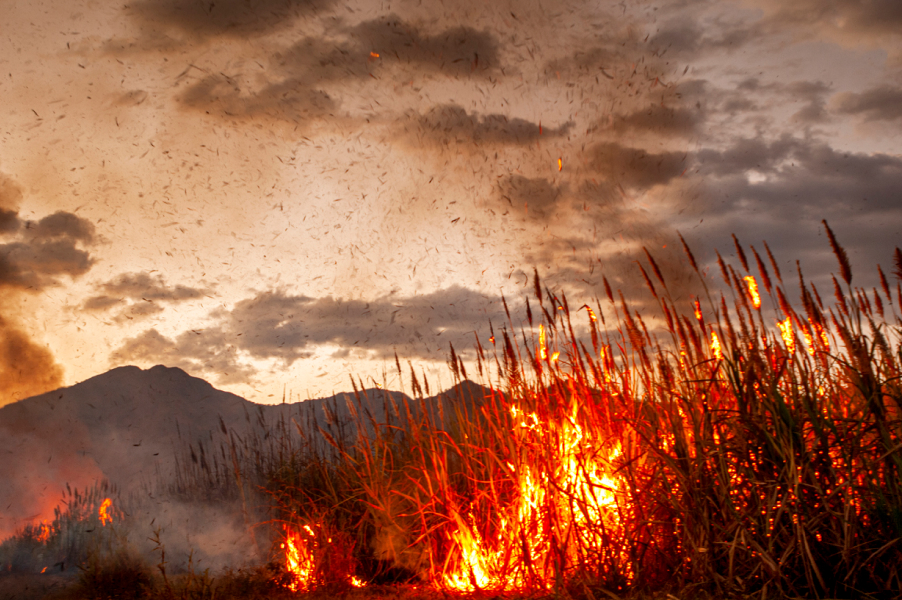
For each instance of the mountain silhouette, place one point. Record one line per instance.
(129, 425)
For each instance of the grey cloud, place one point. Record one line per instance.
(798, 183)
(138, 295)
(287, 328)
(37, 264)
(858, 18)
(225, 18)
(660, 120)
(376, 48)
(635, 167)
(451, 124)
(539, 195)
(101, 303)
(291, 99)
(878, 104)
(150, 287)
(193, 351)
(459, 51)
(63, 225)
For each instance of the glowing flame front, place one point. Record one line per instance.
(299, 560)
(580, 492)
(753, 291)
(104, 512)
(787, 334)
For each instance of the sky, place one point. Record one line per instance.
(276, 195)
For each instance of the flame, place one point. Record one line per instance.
(43, 531)
(560, 164)
(103, 512)
(543, 349)
(299, 560)
(582, 473)
(715, 346)
(374, 55)
(753, 291)
(698, 311)
(592, 316)
(787, 334)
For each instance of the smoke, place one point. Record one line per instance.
(26, 368)
(34, 255)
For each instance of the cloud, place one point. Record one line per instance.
(34, 255)
(223, 18)
(539, 195)
(43, 251)
(451, 124)
(779, 190)
(660, 120)
(138, 295)
(274, 325)
(635, 167)
(304, 75)
(882, 103)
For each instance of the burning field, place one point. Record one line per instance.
(732, 445)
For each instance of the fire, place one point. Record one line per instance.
(560, 164)
(753, 291)
(543, 349)
(43, 532)
(698, 311)
(715, 346)
(299, 560)
(103, 512)
(374, 55)
(580, 493)
(787, 334)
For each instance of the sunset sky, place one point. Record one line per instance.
(275, 194)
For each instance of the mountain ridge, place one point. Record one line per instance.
(127, 426)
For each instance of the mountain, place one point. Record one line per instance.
(128, 425)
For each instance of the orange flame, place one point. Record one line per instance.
(753, 291)
(299, 559)
(374, 55)
(543, 349)
(560, 164)
(602, 497)
(103, 512)
(43, 532)
(698, 311)
(787, 334)
(715, 346)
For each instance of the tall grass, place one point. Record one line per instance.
(728, 448)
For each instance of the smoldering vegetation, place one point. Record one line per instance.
(744, 445)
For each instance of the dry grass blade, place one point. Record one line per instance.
(845, 269)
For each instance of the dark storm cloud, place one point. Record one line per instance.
(451, 124)
(635, 167)
(284, 327)
(878, 104)
(779, 191)
(232, 18)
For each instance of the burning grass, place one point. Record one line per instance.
(729, 449)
